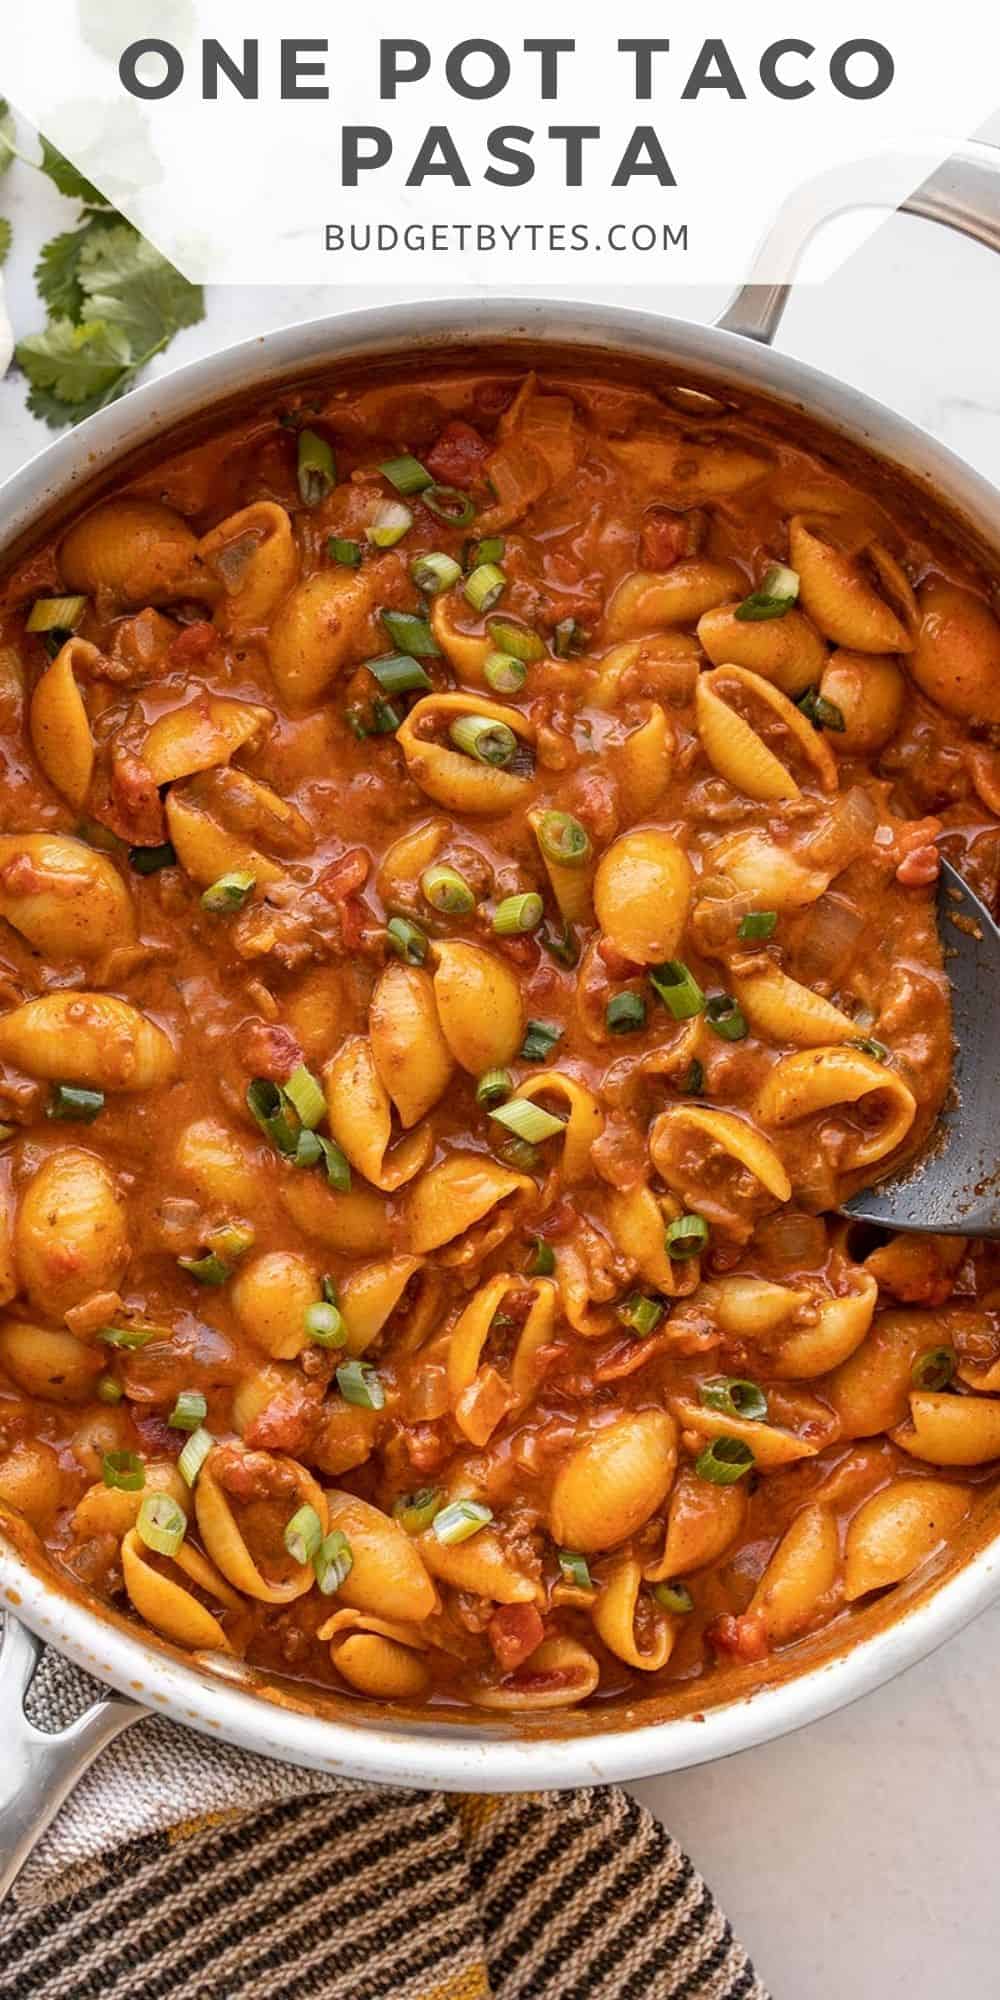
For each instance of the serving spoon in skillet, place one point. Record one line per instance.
(954, 1187)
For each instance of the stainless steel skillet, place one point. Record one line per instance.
(346, 1739)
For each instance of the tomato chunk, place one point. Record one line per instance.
(514, 1632)
(458, 457)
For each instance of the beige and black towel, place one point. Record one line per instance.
(183, 1870)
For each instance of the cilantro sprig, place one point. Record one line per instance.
(113, 302)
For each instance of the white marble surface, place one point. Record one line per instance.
(859, 1855)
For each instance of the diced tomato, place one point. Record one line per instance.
(286, 1423)
(520, 950)
(192, 644)
(742, 1638)
(355, 916)
(618, 965)
(667, 537)
(270, 1051)
(919, 868)
(515, 1631)
(156, 1433)
(345, 876)
(458, 457)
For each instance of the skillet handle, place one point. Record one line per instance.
(963, 193)
(38, 1770)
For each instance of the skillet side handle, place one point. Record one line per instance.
(38, 1770)
(963, 194)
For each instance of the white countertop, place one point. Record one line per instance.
(857, 1857)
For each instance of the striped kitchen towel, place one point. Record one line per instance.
(185, 1870)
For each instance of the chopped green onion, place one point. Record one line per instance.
(678, 989)
(776, 595)
(518, 914)
(305, 1093)
(563, 840)
(461, 1519)
(625, 1013)
(124, 1470)
(674, 1597)
(303, 1535)
(640, 1314)
(347, 553)
(575, 1569)
(408, 941)
(491, 550)
(385, 719)
(726, 1018)
(542, 1261)
(149, 860)
(516, 639)
(189, 1411)
(447, 891)
(412, 635)
(229, 893)
(230, 1239)
(390, 523)
(267, 1105)
(724, 1461)
(450, 505)
(108, 1390)
(406, 474)
(308, 1149)
(338, 1169)
(398, 673)
(69, 1102)
(328, 1287)
(540, 1038)
(734, 1396)
(757, 925)
(870, 1047)
(568, 638)
(416, 1511)
(435, 572)
(479, 736)
(131, 1338)
(687, 1237)
(207, 1270)
(518, 1154)
(102, 838)
(485, 587)
(822, 714)
(361, 1385)
(527, 1120)
(562, 945)
(317, 471)
(56, 614)
(193, 1456)
(693, 1080)
(493, 1087)
(324, 1324)
(161, 1524)
(332, 1562)
(934, 1368)
(504, 674)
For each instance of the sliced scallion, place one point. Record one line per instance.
(229, 893)
(485, 586)
(360, 1384)
(504, 674)
(934, 1369)
(625, 1014)
(493, 1087)
(407, 940)
(692, 1083)
(347, 553)
(870, 1047)
(149, 860)
(124, 1470)
(757, 925)
(686, 1237)
(391, 521)
(724, 1461)
(161, 1524)
(449, 504)
(542, 1261)
(516, 639)
(517, 915)
(189, 1411)
(416, 1511)
(267, 1106)
(193, 1456)
(527, 1120)
(447, 891)
(324, 1323)
(459, 1520)
(317, 471)
(435, 572)
(734, 1396)
(568, 638)
(69, 1102)
(108, 1390)
(575, 1569)
(398, 673)
(491, 550)
(563, 944)
(778, 592)
(674, 1597)
(642, 1315)
(406, 474)
(563, 840)
(303, 1535)
(230, 1240)
(678, 989)
(129, 1338)
(412, 635)
(206, 1270)
(305, 1094)
(482, 737)
(336, 1165)
(823, 714)
(55, 614)
(333, 1562)
(726, 1018)
(540, 1038)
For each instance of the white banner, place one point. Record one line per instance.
(309, 143)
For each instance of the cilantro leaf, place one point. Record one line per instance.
(7, 136)
(57, 272)
(127, 284)
(75, 363)
(5, 238)
(68, 179)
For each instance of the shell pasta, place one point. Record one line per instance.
(467, 923)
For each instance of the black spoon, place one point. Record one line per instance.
(955, 1186)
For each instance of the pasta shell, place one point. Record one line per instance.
(615, 1621)
(787, 651)
(315, 630)
(815, 1080)
(137, 551)
(584, 1119)
(559, 1673)
(784, 1011)
(801, 1572)
(377, 1656)
(479, 1565)
(100, 1042)
(951, 1430)
(206, 732)
(956, 659)
(467, 652)
(388, 1570)
(164, 1603)
(678, 596)
(642, 889)
(71, 1235)
(839, 599)
(222, 1534)
(461, 783)
(612, 1483)
(479, 1006)
(368, 1297)
(771, 1447)
(409, 1050)
(59, 723)
(898, 1529)
(732, 1134)
(73, 904)
(48, 1362)
(451, 1197)
(253, 557)
(358, 1112)
(271, 1295)
(702, 1522)
(357, 1224)
(840, 1328)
